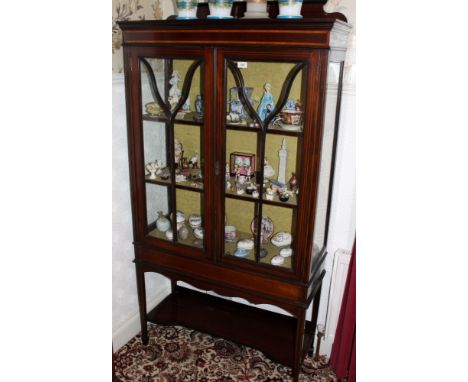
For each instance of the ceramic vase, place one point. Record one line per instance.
(256, 9)
(220, 9)
(186, 9)
(290, 9)
(163, 223)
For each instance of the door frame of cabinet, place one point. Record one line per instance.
(132, 56)
(316, 74)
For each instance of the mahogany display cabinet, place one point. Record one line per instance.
(232, 130)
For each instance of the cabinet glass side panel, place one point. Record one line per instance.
(263, 141)
(334, 71)
(172, 122)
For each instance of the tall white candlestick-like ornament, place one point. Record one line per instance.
(283, 155)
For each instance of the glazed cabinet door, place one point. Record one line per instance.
(171, 159)
(267, 132)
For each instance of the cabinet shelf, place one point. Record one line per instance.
(270, 130)
(188, 119)
(186, 185)
(272, 333)
(291, 203)
(191, 240)
(272, 250)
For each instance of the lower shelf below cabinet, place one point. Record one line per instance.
(269, 332)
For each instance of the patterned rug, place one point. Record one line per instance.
(178, 354)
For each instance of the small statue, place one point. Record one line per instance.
(228, 173)
(178, 151)
(268, 170)
(267, 103)
(199, 105)
(248, 175)
(293, 182)
(174, 91)
(194, 160)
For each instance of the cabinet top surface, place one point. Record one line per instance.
(317, 23)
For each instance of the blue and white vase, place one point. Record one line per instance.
(220, 9)
(186, 9)
(290, 9)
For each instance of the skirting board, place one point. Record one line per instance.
(131, 327)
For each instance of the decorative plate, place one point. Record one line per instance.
(267, 228)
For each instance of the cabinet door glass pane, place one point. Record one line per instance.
(173, 119)
(333, 85)
(263, 141)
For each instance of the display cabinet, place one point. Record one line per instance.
(232, 129)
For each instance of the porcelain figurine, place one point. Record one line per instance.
(169, 234)
(178, 150)
(241, 179)
(183, 232)
(245, 244)
(194, 160)
(267, 103)
(195, 221)
(154, 168)
(220, 9)
(255, 194)
(174, 91)
(162, 223)
(286, 252)
(186, 105)
(153, 108)
(277, 260)
(290, 9)
(199, 105)
(241, 252)
(239, 189)
(186, 9)
(281, 239)
(249, 174)
(268, 170)
(198, 233)
(269, 194)
(228, 185)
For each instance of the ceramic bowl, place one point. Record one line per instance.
(292, 117)
(286, 252)
(277, 260)
(247, 244)
(241, 252)
(281, 239)
(195, 221)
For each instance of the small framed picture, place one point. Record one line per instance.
(242, 164)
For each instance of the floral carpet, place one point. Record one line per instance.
(178, 354)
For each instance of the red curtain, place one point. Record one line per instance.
(343, 356)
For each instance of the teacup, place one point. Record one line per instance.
(292, 117)
(220, 9)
